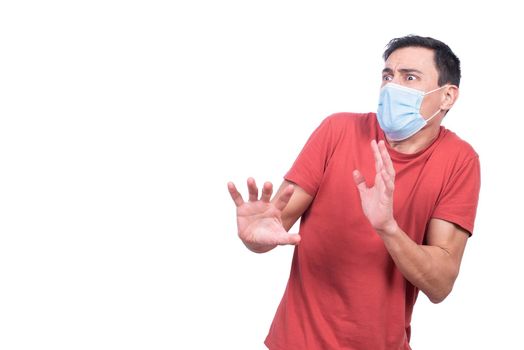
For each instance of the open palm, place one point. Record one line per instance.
(377, 201)
(259, 221)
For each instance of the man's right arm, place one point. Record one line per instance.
(297, 205)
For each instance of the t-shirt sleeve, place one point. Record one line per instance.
(459, 200)
(308, 169)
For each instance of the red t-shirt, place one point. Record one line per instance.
(344, 290)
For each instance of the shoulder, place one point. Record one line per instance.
(344, 123)
(347, 118)
(456, 158)
(455, 145)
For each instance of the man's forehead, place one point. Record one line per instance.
(419, 58)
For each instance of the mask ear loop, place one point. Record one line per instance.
(439, 110)
(433, 116)
(429, 92)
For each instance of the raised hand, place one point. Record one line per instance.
(377, 201)
(259, 221)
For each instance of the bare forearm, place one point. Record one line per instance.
(429, 268)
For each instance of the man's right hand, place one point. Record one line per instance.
(260, 220)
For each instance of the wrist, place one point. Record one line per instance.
(388, 229)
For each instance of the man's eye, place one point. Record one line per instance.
(387, 78)
(411, 77)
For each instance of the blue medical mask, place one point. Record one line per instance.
(399, 111)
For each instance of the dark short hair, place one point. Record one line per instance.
(447, 63)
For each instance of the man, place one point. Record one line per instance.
(387, 202)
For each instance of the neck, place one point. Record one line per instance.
(417, 142)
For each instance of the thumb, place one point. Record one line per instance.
(360, 181)
(291, 239)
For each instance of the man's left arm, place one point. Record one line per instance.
(432, 268)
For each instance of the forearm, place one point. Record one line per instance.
(429, 268)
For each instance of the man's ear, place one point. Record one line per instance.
(451, 94)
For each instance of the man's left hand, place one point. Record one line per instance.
(377, 200)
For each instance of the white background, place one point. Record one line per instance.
(122, 121)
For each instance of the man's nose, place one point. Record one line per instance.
(396, 79)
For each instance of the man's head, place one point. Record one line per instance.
(446, 62)
(424, 64)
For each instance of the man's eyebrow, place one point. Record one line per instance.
(410, 70)
(403, 70)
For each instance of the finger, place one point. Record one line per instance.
(389, 182)
(253, 189)
(284, 197)
(360, 181)
(267, 191)
(289, 239)
(386, 159)
(378, 157)
(235, 195)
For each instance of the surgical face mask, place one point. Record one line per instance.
(399, 111)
